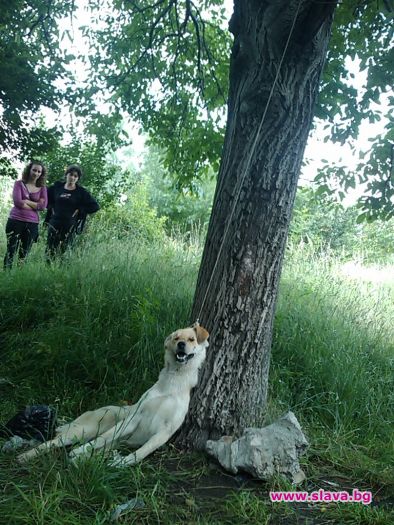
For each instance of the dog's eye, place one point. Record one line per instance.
(191, 339)
(176, 338)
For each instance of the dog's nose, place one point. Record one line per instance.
(181, 345)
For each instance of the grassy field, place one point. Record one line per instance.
(90, 332)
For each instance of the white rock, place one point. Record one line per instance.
(264, 452)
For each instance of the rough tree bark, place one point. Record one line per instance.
(239, 307)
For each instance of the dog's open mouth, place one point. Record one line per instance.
(182, 357)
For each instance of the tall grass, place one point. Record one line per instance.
(332, 359)
(95, 321)
(89, 330)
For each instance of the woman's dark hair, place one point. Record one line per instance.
(40, 182)
(74, 168)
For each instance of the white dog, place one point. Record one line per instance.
(153, 419)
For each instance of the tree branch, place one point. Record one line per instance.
(310, 23)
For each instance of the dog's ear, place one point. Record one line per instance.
(167, 340)
(202, 334)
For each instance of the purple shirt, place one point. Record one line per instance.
(21, 193)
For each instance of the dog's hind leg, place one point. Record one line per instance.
(108, 439)
(86, 427)
(61, 440)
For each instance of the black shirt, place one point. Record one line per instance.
(66, 207)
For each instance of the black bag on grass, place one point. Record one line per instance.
(34, 422)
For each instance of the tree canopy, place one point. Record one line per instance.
(33, 71)
(362, 31)
(166, 64)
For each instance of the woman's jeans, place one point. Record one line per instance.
(59, 240)
(20, 237)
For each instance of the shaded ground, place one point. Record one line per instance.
(214, 485)
(175, 488)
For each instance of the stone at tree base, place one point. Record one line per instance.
(264, 452)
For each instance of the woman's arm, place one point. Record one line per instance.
(31, 204)
(89, 203)
(20, 200)
(18, 196)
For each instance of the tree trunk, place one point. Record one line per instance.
(237, 307)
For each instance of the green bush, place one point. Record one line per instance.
(135, 219)
(329, 226)
(185, 208)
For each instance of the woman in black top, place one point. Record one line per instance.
(68, 206)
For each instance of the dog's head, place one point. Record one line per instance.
(184, 344)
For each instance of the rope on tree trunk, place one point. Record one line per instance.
(249, 160)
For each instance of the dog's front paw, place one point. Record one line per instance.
(27, 456)
(119, 461)
(76, 460)
(80, 453)
(23, 458)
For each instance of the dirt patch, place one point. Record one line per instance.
(204, 487)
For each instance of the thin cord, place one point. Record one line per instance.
(249, 160)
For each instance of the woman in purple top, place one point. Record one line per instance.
(29, 196)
